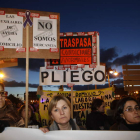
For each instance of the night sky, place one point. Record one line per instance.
(118, 23)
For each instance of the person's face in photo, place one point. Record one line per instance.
(131, 112)
(61, 113)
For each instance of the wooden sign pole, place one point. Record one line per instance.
(27, 74)
(95, 86)
(72, 102)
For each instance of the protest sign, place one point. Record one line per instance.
(43, 33)
(78, 48)
(80, 76)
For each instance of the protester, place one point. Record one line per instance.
(8, 114)
(111, 112)
(97, 120)
(59, 111)
(32, 123)
(127, 115)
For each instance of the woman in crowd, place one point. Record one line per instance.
(59, 112)
(97, 120)
(8, 114)
(127, 115)
(32, 123)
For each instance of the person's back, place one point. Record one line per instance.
(97, 120)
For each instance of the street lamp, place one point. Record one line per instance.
(1, 76)
(111, 71)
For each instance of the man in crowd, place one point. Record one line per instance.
(8, 114)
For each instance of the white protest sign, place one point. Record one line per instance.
(11, 133)
(81, 76)
(44, 33)
(11, 31)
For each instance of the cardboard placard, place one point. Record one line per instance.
(78, 48)
(44, 34)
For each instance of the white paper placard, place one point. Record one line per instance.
(44, 33)
(11, 31)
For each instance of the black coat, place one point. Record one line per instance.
(123, 126)
(97, 121)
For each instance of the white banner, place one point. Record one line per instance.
(11, 133)
(81, 76)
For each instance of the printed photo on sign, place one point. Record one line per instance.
(44, 33)
(11, 30)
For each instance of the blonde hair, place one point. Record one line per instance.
(54, 101)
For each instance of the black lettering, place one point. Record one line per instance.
(90, 77)
(42, 101)
(72, 76)
(48, 26)
(53, 78)
(47, 100)
(64, 77)
(42, 25)
(44, 75)
(95, 76)
(110, 97)
(106, 97)
(45, 106)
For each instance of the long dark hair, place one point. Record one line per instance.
(96, 103)
(120, 108)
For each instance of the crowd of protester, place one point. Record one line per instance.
(124, 114)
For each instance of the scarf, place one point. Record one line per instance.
(54, 126)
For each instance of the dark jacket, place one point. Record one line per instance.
(97, 121)
(123, 126)
(54, 126)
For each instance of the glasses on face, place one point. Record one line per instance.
(130, 109)
(2, 94)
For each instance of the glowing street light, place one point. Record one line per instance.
(1, 75)
(111, 71)
(115, 73)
